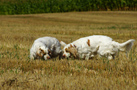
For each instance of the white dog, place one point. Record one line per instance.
(45, 48)
(88, 47)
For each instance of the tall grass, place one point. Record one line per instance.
(50, 6)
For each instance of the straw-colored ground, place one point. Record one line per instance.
(17, 33)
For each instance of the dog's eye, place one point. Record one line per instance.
(67, 51)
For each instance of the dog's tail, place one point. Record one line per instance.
(126, 46)
(63, 43)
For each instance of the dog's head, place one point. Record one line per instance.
(43, 53)
(70, 50)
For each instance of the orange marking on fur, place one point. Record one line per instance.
(72, 51)
(88, 42)
(75, 46)
(42, 51)
(71, 45)
(38, 54)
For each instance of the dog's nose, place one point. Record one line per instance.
(64, 55)
(48, 57)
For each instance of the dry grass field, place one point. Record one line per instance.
(18, 72)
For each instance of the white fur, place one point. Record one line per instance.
(103, 45)
(50, 45)
(63, 43)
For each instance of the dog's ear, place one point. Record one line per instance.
(72, 51)
(126, 46)
(41, 50)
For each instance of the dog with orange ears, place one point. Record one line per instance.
(45, 48)
(89, 47)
